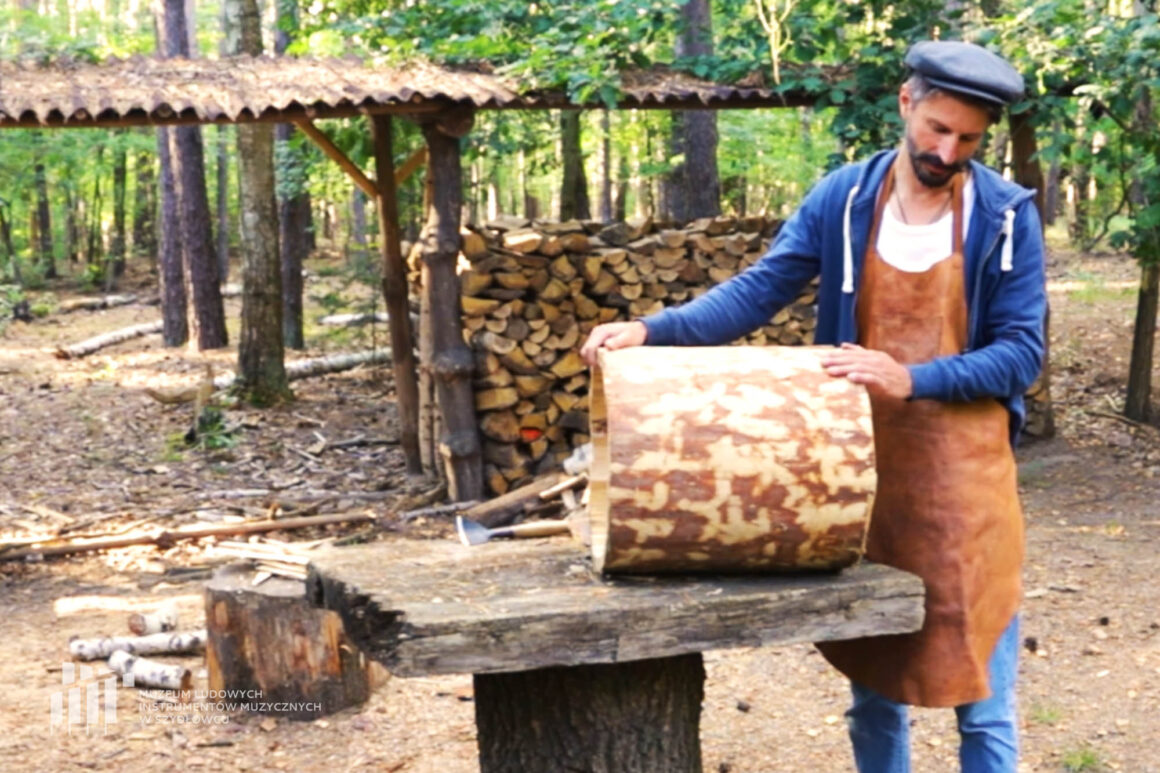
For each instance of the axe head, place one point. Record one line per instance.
(470, 532)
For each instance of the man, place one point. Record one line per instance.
(932, 284)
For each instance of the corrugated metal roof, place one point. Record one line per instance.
(144, 91)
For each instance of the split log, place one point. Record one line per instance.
(96, 343)
(154, 644)
(504, 509)
(269, 638)
(141, 672)
(728, 459)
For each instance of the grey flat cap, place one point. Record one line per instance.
(967, 69)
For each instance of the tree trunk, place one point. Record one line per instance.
(120, 236)
(605, 166)
(261, 373)
(44, 223)
(396, 296)
(1138, 405)
(1028, 173)
(223, 208)
(188, 160)
(174, 301)
(574, 188)
(6, 235)
(696, 132)
(453, 362)
(635, 717)
(93, 248)
(293, 201)
(145, 208)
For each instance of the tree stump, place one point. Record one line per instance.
(728, 459)
(635, 717)
(269, 647)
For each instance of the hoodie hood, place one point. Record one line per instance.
(995, 205)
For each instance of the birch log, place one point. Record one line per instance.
(319, 366)
(162, 620)
(154, 644)
(728, 459)
(142, 672)
(96, 343)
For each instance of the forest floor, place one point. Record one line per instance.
(81, 438)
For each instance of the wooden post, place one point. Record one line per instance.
(634, 717)
(395, 293)
(452, 363)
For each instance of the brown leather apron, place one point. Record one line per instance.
(947, 508)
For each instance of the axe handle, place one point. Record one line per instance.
(533, 529)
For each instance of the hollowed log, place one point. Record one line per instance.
(727, 459)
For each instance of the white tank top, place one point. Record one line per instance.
(916, 248)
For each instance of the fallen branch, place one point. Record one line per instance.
(1123, 420)
(93, 304)
(320, 366)
(154, 644)
(168, 537)
(141, 672)
(96, 343)
(351, 320)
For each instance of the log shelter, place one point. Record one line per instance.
(144, 91)
(575, 671)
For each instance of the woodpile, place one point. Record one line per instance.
(531, 292)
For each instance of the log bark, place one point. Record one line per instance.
(636, 717)
(396, 296)
(452, 364)
(95, 304)
(96, 343)
(268, 638)
(728, 459)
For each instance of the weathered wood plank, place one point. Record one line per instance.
(439, 608)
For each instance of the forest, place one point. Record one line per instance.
(250, 251)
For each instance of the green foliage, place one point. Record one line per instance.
(1083, 759)
(213, 434)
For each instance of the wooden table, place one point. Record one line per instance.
(577, 672)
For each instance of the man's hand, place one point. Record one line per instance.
(878, 371)
(611, 336)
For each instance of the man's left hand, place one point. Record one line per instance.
(881, 374)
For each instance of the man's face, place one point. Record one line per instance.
(942, 133)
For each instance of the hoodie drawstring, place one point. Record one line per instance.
(1006, 257)
(848, 251)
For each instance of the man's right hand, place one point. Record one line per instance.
(612, 336)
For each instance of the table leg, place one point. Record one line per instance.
(635, 717)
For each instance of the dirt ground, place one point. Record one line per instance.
(81, 438)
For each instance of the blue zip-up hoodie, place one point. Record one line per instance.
(1005, 285)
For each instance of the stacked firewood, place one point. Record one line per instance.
(532, 292)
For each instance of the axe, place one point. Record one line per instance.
(473, 533)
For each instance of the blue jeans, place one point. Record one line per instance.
(880, 728)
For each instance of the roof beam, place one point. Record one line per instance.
(329, 148)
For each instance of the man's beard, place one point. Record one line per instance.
(923, 164)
